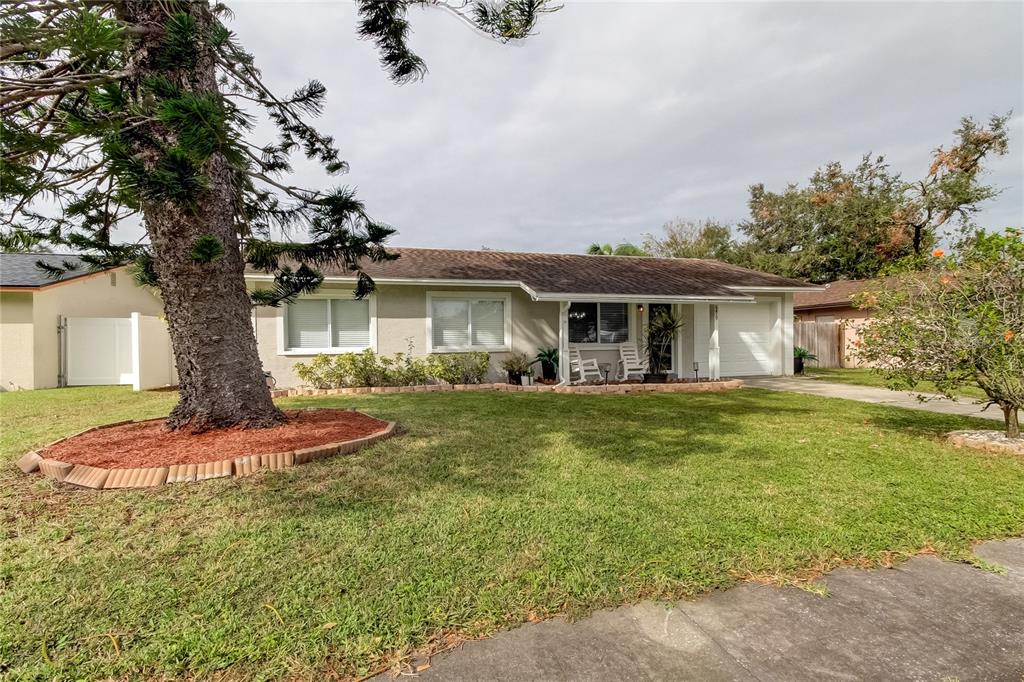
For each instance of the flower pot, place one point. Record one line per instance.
(549, 370)
(655, 378)
(798, 365)
(515, 378)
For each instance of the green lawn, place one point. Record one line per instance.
(865, 377)
(491, 510)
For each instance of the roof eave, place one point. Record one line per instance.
(778, 290)
(637, 298)
(823, 306)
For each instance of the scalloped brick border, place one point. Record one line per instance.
(601, 389)
(97, 478)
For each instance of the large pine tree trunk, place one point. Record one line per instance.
(208, 308)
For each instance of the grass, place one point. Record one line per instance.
(491, 510)
(865, 377)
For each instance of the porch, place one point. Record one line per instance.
(742, 336)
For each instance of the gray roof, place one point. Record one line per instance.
(20, 269)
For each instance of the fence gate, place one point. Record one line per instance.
(97, 351)
(824, 339)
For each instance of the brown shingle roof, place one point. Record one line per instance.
(552, 274)
(836, 294)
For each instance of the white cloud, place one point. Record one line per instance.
(618, 117)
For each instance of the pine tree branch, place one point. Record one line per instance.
(22, 98)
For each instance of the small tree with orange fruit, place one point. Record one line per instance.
(957, 321)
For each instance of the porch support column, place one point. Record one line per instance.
(701, 338)
(775, 343)
(787, 334)
(563, 342)
(714, 369)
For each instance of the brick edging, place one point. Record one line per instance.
(97, 478)
(605, 389)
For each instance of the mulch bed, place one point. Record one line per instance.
(149, 444)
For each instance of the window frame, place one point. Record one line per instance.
(631, 312)
(282, 326)
(470, 297)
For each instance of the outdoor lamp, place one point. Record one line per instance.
(696, 369)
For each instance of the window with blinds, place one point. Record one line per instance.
(468, 324)
(599, 323)
(319, 324)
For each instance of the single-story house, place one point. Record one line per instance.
(736, 322)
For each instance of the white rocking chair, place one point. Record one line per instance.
(630, 362)
(584, 368)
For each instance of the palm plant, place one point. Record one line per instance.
(661, 329)
(548, 359)
(801, 355)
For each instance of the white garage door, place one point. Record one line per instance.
(99, 351)
(745, 340)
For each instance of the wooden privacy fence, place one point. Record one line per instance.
(824, 339)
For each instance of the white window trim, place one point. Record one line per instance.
(469, 296)
(282, 326)
(630, 325)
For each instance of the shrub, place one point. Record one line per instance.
(348, 370)
(320, 372)
(459, 368)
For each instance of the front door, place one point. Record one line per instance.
(654, 309)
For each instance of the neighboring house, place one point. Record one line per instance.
(833, 304)
(82, 319)
(736, 322)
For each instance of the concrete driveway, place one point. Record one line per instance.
(868, 394)
(924, 620)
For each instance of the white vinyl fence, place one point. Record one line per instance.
(133, 351)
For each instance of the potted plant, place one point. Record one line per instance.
(661, 330)
(548, 359)
(516, 364)
(799, 356)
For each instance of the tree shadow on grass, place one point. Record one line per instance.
(500, 445)
(922, 423)
(495, 445)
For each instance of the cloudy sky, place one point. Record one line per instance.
(616, 117)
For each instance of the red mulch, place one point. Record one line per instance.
(149, 444)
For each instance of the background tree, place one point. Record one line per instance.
(117, 108)
(850, 224)
(693, 239)
(960, 320)
(624, 249)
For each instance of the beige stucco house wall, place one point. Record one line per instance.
(399, 315)
(398, 321)
(17, 334)
(28, 321)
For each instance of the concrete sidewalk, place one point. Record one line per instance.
(924, 620)
(966, 407)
